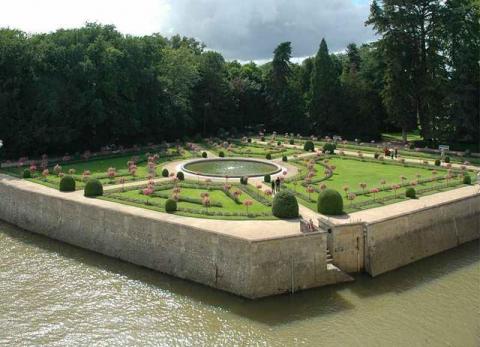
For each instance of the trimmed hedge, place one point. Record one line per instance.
(244, 180)
(268, 156)
(27, 173)
(180, 175)
(165, 173)
(170, 206)
(284, 158)
(410, 193)
(67, 184)
(93, 188)
(309, 146)
(330, 202)
(292, 141)
(285, 205)
(447, 160)
(221, 154)
(267, 178)
(437, 162)
(467, 179)
(329, 148)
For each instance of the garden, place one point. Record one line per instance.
(109, 168)
(366, 183)
(246, 147)
(328, 181)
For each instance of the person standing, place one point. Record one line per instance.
(273, 186)
(277, 184)
(396, 152)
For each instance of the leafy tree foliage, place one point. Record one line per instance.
(78, 89)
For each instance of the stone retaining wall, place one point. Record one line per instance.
(383, 245)
(248, 268)
(399, 241)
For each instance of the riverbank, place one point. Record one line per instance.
(251, 259)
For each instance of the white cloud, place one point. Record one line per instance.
(138, 17)
(241, 29)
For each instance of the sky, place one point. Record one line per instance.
(242, 29)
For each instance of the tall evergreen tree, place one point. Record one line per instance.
(324, 99)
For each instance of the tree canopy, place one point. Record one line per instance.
(78, 89)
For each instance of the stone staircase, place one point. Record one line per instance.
(329, 257)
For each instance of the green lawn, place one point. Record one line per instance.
(222, 206)
(404, 152)
(352, 172)
(98, 167)
(252, 150)
(411, 136)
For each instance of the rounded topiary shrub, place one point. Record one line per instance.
(244, 180)
(309, 146)
(437, 162)
(268, 156)
(329, 148)
(267, 179)
(284, 158)
(180, 175)
(67, 184)
(330, 202)
(411, 193)
(27, 173)
(249, 140)
(204, 154)
(170, 206)
(285, 205)
(165, 173)
(279, 143)
(93, 188)
(262, 139)
(292, 141)
(447, 160)
(467, 179)
(221, 154)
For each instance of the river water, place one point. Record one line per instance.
(52, 293)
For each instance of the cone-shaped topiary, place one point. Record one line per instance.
(67, 184)
(284, 158)
(165, 173)
(93, 188)
(180, 175)
(170, 206)
(410, 193)
(27, 173)
(285, 205)
(309, 146)
(330, 202)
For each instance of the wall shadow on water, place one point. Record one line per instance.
(419, 273)
(271, 311)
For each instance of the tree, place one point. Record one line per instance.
(325, 88)
(284, 91)
(411, 43)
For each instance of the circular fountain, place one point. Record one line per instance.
(231, 167)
